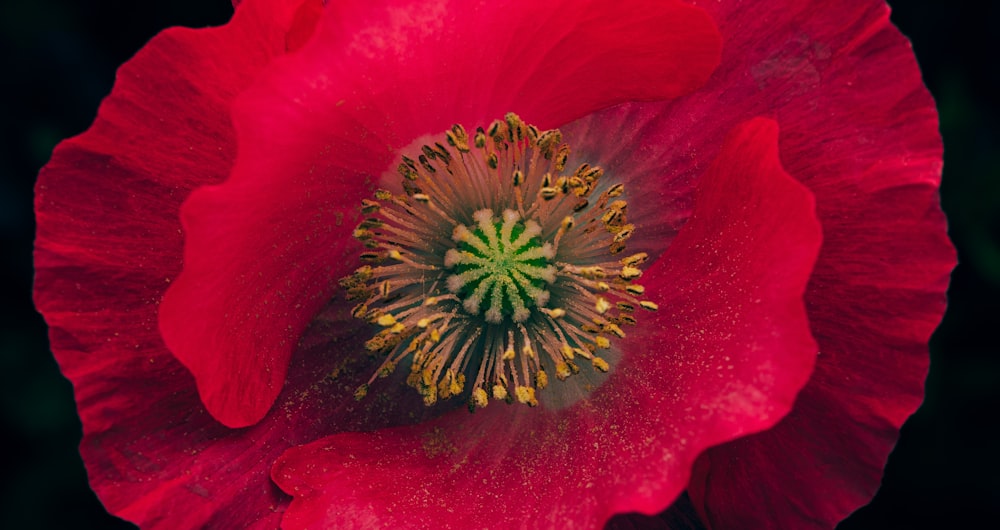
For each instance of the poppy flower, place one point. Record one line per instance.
(514, 264)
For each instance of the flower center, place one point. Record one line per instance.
(494, 265)
(500, 265)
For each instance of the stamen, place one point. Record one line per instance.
(494, 268)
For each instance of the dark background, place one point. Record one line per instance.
(59, 59)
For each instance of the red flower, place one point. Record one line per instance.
(207, 216)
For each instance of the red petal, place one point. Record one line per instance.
(680, 516)
(867, 145)
(108, 245)
(264, 249)
(726, 355)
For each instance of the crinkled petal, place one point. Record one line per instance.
(860, 130)
(681, 515)
(725, 355)
(264, 249)
(868, 147)
(109, 244)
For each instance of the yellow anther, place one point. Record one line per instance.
(625, 233)
(518, 178)
(548, 193)
(499, 392)
(407, 172)
(567, 223)
(635, 289)
(425, 163)
(567, 352)
(369, 206)
(635, 259)
(361, 392)
(528, 352)
(601, 305)
(602, 342)
(386, 320)
(615, 330)
(554, 313)
(603, 286)
(616, 190)
(494, 129)
(479, 398)
(562, 371)
(431, 300)
(548, 140)
(563, 184)
(629, 273)
(430, 395)
(516, 126)
(423, 323)
(436, 335)
(649, 306)
(592, 273)
(562, 155)
(395, 254)
(444, 389)
(612, 218)
(457, 384)
(387, 370)
(458, 138)
(508, 354)
(541, 380)
(421, 197)
(383, 195)
(363, 274)
(398, 328)
(573, 367)
(526, 395)
(376, 343)
(596, 173)
(600, 364)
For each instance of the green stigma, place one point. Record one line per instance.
(500, 267)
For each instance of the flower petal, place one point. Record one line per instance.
(727, 354)
(264, 249)
(108, 245)
(867, 145)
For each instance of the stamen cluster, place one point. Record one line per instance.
(495, 266)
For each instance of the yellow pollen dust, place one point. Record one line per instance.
(493, 266)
